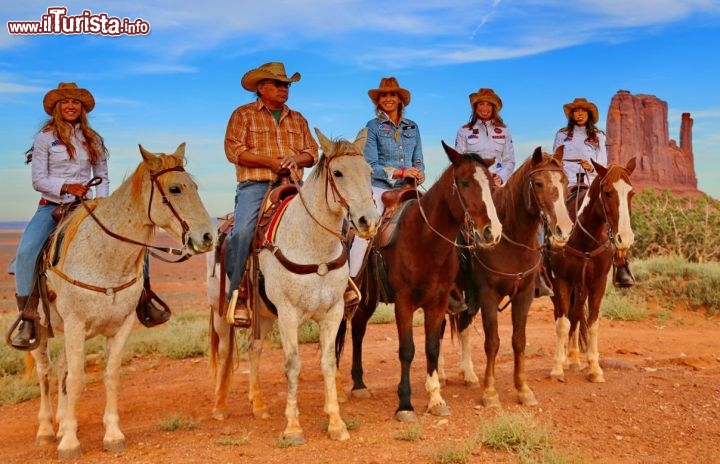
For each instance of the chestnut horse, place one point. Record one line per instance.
(533, 197)
(579, 273)
(420, 266)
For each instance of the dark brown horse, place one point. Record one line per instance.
(579, 272)
(533, 197)
(420, 267)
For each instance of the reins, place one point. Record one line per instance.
(112, 290)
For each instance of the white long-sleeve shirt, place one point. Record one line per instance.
(489, 141)
(579, 148)
(52, 167)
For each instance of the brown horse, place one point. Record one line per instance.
(534, 196)
(579, 272)
(420, 267)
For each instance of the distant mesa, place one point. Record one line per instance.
(637, 125)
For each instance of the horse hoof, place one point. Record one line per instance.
(472, 383)
(439, 410)
(115, 446)
(42, 440)
(491, 402)
(596, 378)
(340, 434)
(72, 453)
(405, 416)
(528, 399)
(362, 393)
(560, 377)
(294, 439)
(220, 415)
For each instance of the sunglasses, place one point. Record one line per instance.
(276, 83)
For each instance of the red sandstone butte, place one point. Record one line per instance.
(637, 125)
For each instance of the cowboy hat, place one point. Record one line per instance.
(584, 104)
(273, 70)
(390, 84)
(68, 90)
(485, 95)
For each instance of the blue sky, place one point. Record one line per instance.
(182, 81)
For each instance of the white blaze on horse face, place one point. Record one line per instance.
(495, 226)
(562, 217)
(625, 235)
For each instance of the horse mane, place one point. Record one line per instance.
(164, 161)
(516, 187)
(341, 146)
(66, 230)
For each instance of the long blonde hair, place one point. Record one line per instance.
(63, 131)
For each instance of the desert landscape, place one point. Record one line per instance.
(660, 402)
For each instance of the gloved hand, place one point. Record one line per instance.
(586, 165)
(79, 190)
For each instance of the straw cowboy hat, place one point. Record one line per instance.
(584, 104)
(68, 90)
(273, 70)
(485, 95)
(390, 84)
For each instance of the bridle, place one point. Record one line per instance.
(183, 253)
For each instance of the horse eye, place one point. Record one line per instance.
(538, 185)
(464, 183)
(337, 173)
(607, 194)
(175, 189)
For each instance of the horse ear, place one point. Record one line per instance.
(180, 150)
(361, 139)
(325, 143)
(599, 168)
(559, 153)
(537, 155)
(453, 155)
(152, 160)
(630, 166)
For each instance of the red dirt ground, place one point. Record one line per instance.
(660, 402)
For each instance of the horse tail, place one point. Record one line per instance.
(214, 346)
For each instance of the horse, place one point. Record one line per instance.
(309, 232)
(533, 196)
(579, 273)
(95, 278)
(420, 266)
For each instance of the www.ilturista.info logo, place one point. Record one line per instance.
(57, 21)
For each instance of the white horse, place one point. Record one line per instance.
(98, 278)
(308, 234)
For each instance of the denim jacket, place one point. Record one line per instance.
(386, 151)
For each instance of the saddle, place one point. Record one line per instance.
(396, 203)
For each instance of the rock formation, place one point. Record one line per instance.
(637, 125)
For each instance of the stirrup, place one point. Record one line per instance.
(230, 313)
(32, 343)
(148, 313)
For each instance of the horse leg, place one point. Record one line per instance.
(562, 329)
(595, 373)
(222, 343)
(45, 433)
(114, 440)
(358, 328)
(406, 353)
(433, 331)
(577, 316)
(288, 325)
(467, 369)
(61, 369)
(259, 408)
(520, 308)
(490, 397)
(73, 383)
(337, 430)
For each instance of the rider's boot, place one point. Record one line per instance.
(541, 286)
(456, 302)
(622, 276)
(28, 307)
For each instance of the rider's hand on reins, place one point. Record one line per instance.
(79, 190)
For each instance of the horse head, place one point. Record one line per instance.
(473, 185)
(547, 186)
(347, 174)
(613, 189)
(173, 202)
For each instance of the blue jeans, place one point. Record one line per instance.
(36, 233)
(248, 201)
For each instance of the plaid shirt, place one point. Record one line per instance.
(252, 127)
